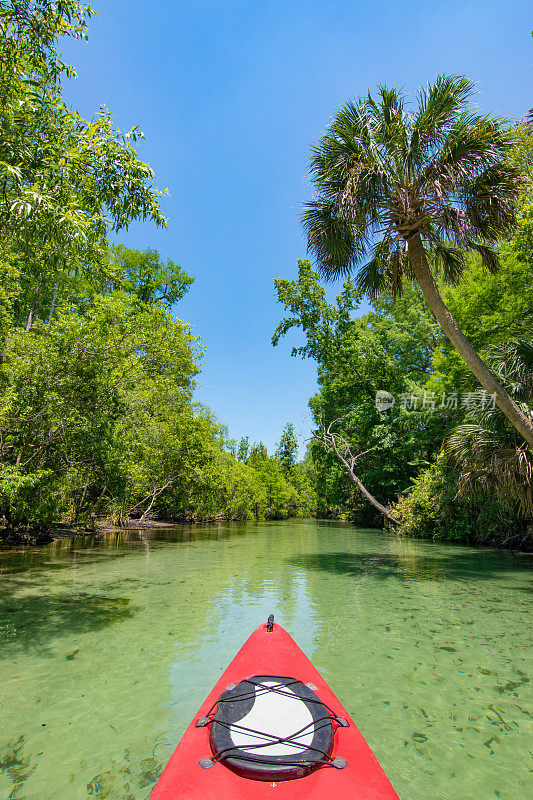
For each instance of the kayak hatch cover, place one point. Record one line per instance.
(272, 727)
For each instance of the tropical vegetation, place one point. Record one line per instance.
(424, 410)
(422, 420)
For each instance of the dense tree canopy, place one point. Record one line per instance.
(477, 486)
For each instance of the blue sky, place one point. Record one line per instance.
(230, 95)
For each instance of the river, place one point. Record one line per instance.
(109, 646)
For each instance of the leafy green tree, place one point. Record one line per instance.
(389, 349)
(147, 277)
(281, 499)
(287, 450)
(303, 479)
(397, 189)
(258, 454)
(241, 495)
(65, 182)
(244, 448)
(72, 386)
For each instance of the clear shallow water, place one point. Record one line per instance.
(108, 648)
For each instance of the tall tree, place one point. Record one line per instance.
(398, 189)
(258, 454)
(287, 450)
(243, 449)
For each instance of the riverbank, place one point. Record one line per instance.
(39, 536)
(35, 535)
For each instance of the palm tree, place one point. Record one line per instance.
(399, 188)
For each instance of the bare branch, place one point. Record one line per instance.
(337, 444)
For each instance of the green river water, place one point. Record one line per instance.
(108, 648)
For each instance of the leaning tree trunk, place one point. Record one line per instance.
(370, 497)
(331, 441)
(422, 272)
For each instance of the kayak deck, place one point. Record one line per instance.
(271, 651)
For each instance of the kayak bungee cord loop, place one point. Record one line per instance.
(311, 755)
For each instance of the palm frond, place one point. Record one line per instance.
(488, 451)
(512, 363)
(384, 271)
(438, 105)
(449, 260)
(492, 464)
(383, 171)
(490, 200)
(331, 239)
(488, 256)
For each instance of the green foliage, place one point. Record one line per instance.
(244, 449)
(9, 289)
(145, 276)
(22, 492)
(72, 384)
(303, 478)
(400, 186)
(398, 347)
(281, 500)
(98, 420)
(212, 484)
(322, 323)
(66, 182)
(433, 510)
(258, 454)
(389, 348)
(96, 373)
(238, 490)
(487, 451)
(489, 308)
(287, 450)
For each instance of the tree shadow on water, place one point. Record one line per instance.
(34, 621)
(456, 566)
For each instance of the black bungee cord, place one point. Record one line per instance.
(337, 763)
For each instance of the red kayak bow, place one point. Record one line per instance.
(272, 727)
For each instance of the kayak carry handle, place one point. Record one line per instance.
(270, 623)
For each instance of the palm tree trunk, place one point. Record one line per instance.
(419, 263)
